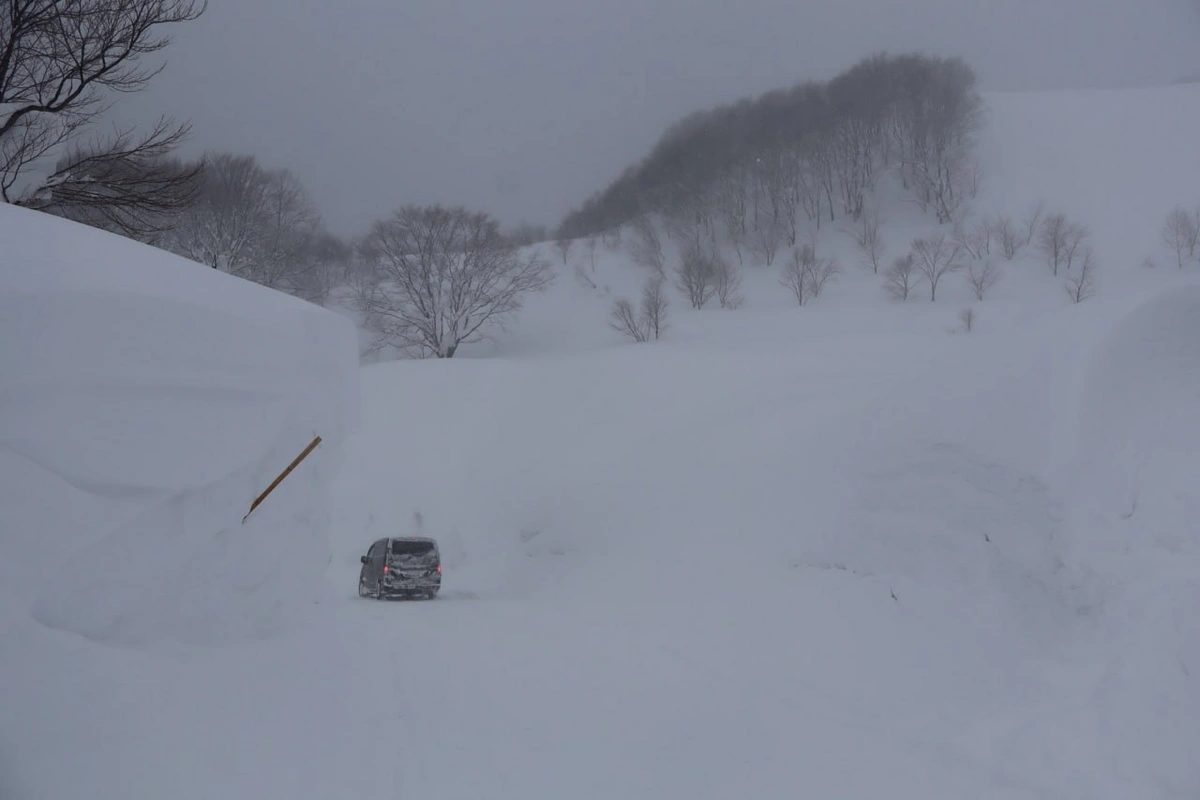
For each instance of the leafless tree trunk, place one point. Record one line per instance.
(727, 280)
(867, 238)
(563, 246)
(1081, 285)
(654, 306)
(936, 257)
(982, 276)
(592, 243)
(446, 275)
(967, 318)
(1053, 240)
(1076, 235)
(59, 61)
(900, 279)
(1032, 223)
(1181, 233)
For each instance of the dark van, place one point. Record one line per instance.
(401, 567)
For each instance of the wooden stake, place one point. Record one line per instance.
(312, 446)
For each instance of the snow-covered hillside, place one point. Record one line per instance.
(844, 550)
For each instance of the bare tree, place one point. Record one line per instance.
(867, 239)
(646, 247)
(982, 275)
(592, 242)
(1058, 239)
(252, 222)
(654, 306)
(1081, 285)
(727, 280)
(806, 275)
(1076, 234)
(976, 242)
(696, 275)
(60, 61)
(1181, 233)
(821, 273)
(901, 277)
(967, 318)
(795, 272)
(1032, 223)
(652, 319)
(444, 277)
(563, 245)
(1009, 235)
(624, 320)
(936, 257)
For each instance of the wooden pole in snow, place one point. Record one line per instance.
(312, 446)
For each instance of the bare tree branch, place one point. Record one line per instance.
(60, 62)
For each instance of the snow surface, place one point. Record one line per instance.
(146, 402)
(840, 551)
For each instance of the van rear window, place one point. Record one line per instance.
(402, 548)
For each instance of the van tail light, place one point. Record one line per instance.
(439, 569)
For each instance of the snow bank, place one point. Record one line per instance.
(147, 400)
(1133, 546)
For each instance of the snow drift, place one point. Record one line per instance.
(147, 400)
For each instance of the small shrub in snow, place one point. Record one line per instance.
(626, 321)
(806, 275)
(1082, 283)
(982, 275)
(935, 258)
(901, 277)
(1181, 233)
(967, 318)
(650, 321)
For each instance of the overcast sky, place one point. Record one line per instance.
(525, 107)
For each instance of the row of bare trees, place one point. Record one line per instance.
(1063, 244)
(260, 224)
(748, 171)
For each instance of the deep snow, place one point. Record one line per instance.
(839, 551)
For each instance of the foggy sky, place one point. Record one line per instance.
(525, 107)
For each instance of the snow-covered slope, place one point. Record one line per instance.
(146, 402)
(838, 551)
